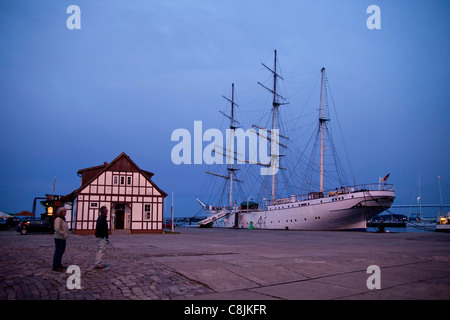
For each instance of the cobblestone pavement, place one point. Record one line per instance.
(25, 272)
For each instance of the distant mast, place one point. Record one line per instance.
(419, 199)
(440, 195)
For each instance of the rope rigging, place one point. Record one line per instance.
(300, 175)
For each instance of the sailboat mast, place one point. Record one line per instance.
(420, 200)
(274, 122)
(322, 126)
(440, 195)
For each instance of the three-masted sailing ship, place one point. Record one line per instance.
(345, 207)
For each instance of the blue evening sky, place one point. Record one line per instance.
(138, 70)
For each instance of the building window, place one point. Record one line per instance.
(147, 211)
(122, 180)
(116, 180)
(94, 204)
(129, 181)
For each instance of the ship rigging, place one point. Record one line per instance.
(302, 200)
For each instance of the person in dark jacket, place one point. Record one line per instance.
(101, 233)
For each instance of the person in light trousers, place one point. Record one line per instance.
(101, 233)
(61, 234)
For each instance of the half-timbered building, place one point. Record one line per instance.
(134, 201)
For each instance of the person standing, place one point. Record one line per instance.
(61, 234)
(101, 233)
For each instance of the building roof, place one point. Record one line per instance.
(122, 163)
(24, 214)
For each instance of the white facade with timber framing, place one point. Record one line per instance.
(133, 200)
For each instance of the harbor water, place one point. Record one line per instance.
(404, 229)
(408, 228)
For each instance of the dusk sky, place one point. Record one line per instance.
(138, 70)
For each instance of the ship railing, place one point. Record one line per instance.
(318, 195)
(334, 192)
(373, 187)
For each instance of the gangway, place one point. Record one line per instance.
(213, 218)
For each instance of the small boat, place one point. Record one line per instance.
(443, 223)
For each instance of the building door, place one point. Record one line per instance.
(120, 216)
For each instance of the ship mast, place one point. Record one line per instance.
(274, 120)
(275, 104)
(322, 121)
(231, 169)
(315, 173)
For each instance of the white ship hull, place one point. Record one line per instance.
(342, 212)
